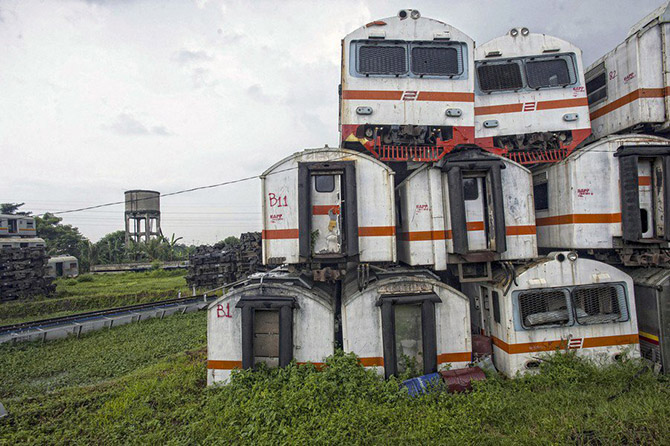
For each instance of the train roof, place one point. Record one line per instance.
(17, 216)
(659, 15)
(63, 258)
(650, 277)
(510, 46)
(424, 28)
(624, 139)
(600, 272)
(347, 155)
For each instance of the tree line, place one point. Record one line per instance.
(63, 239)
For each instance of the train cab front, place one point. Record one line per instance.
(407, 91)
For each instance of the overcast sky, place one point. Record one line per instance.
(101, 96)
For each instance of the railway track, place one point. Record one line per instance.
(79, 320)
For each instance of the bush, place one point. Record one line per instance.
(85, 278)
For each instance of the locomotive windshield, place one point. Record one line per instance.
(504, 76)
(412, 59)
(530, 73)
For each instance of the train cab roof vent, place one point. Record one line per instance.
(442, 35)
(496, 53)
(376, 34)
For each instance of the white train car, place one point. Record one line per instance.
(628, 87)
(328, 206)
(17, 225)
(407, 88)
(561, 302)
(530, 97)
(609, 198)
(274, 319)
(22, 242)
(472, 209)
(62, 266)
(403, 317)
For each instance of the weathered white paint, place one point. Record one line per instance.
(313, 326)
(374, 194)
(70, 266)
(637, 73)
(17, 225)
(424, 231)
(410, 110)
(585, 185)
(533, 117)
(362, 323)
(551, 273)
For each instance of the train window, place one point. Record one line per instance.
(541, 196)
(502, 76)
(377, 59)
(598, 304)
(541, 308)
(470, 189)
(324, 183)
(547, 73)
(435, 61)
(596, 84)
(496, 306)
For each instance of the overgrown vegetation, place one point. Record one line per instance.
(96, 291)
(145, 384)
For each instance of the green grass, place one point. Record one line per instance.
(145, 384)
(97, 291)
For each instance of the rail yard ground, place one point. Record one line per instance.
(146, 384)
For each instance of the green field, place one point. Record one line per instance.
(146, 384)
(90, 292)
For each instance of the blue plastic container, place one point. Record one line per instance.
(421, 384)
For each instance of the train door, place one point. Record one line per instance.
(326, 223)
(658, 193)
(644, 176)
(328, 210)
(476, 211)
(59, 269)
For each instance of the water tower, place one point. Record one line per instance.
(143, 215)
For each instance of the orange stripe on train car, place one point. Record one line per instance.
(627, 99)
(376, 231)
(454, 357)
(541, 105)
(396, 95)
(374, 361)
(325, 209)
(532, 347)
(223, 365)
(421, 236)
(279, 234)
(571, 219)
(644, 180)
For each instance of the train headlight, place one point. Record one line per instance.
(415, 14)
(514, 32)
(402, 14)
(572, 256)
(525, 31)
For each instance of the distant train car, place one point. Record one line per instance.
(407, 91)
(561, 302)
(273, 319)
(405, 317)
(610, 199)
(328, 206)
(17, 225)
(628, 87)
(652, 300)
(530, 97)
(62, 266)
(471, 210)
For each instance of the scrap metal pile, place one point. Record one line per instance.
(22, 273)
(217, 265)
(23, 259)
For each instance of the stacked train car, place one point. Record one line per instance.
(468, 203)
